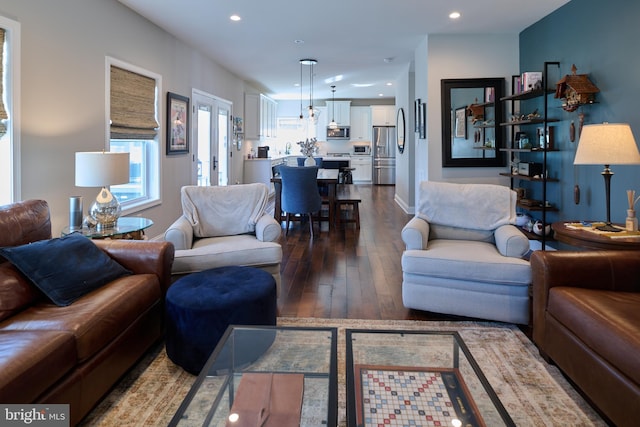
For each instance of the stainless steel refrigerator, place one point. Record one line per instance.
(384, 155)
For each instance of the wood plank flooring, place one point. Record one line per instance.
(349, 273)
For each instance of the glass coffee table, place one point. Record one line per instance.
(266, 376)
(426, 378)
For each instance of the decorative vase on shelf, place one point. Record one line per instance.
(309, 161)
(632, 221)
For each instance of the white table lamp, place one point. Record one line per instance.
(607, 144)
(102, 169)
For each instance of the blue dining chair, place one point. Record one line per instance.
(300, 193)
(317, 159)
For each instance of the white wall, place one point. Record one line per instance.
(464, 56)
(405, 164)
(64, 45)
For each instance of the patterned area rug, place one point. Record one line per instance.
(533, 392)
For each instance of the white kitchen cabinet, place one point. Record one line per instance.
(342, 114)
(362, 169)
(360, 123)
(260, 170)
(383, 115)
(260, 115)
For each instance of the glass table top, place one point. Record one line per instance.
(401, 377)
(277, 356)
(124, 225)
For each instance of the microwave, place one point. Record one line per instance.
(341, 132)
(362, 150)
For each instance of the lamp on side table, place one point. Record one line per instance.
(608, 144)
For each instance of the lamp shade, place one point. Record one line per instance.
(607, 144)
(101, 169)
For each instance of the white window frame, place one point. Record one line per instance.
(12, 105)
(153, 155)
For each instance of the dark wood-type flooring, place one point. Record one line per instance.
(349, 273)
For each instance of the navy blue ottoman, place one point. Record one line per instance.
(200, 307)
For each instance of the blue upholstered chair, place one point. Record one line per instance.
(300, 193)
(317, 159)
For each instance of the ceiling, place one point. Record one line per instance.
(361, 46)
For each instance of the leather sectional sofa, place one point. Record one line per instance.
(586, 319)
(74, 354)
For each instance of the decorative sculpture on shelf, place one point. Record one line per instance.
(575, 90)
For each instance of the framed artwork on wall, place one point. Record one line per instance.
(461, 123)
(177, 124)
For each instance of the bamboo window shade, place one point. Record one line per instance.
(3, 111)
(133, 112)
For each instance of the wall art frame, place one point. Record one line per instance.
(177, 124)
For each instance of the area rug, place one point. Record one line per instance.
(533, 392)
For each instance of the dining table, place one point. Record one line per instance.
(326, 178)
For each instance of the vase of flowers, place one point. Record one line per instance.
(308, 148)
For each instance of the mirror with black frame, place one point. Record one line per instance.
(471, 117)
(400, 130)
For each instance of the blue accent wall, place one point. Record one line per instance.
(603, 40)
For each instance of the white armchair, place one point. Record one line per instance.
(223, 226)
(463, 254)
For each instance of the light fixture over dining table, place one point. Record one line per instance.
(312, 115)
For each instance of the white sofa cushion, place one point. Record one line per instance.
(474, 261)
(224, 211)
(470, 206)
(213, 252)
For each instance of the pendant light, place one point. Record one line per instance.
(310, 62)
(301, 116)
(333, 124)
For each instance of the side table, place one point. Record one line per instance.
(130, 228)
(573, 235)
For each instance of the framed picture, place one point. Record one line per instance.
(461, 123)
(177, 124)
(416, 115)
(423, 121)
(489, 94)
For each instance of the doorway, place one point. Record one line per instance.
(211, 136)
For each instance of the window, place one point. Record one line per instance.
(9, 111)
(133, 107)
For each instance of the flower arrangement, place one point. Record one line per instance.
(308, 147)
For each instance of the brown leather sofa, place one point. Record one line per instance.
(75, 354)
(586, 319)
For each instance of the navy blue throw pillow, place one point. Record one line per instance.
(64, 269)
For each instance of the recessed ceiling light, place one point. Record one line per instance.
(454, 15)
(389, 84)
(388, 60)
(298, 41)
(235, 17)
(361, 84)
(381, 94)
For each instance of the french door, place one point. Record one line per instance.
(211, 136)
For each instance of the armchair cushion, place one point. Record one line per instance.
(48, 263)
(213, 252)
(471, 206)
(473, 261)
(224, 211)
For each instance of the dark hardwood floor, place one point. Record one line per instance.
(349, 273)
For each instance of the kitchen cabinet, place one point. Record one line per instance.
(362, 169)
(260, 114)
(342, 113)
(360, 123)
(260, 170)
(383, 115)
(531, 142)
